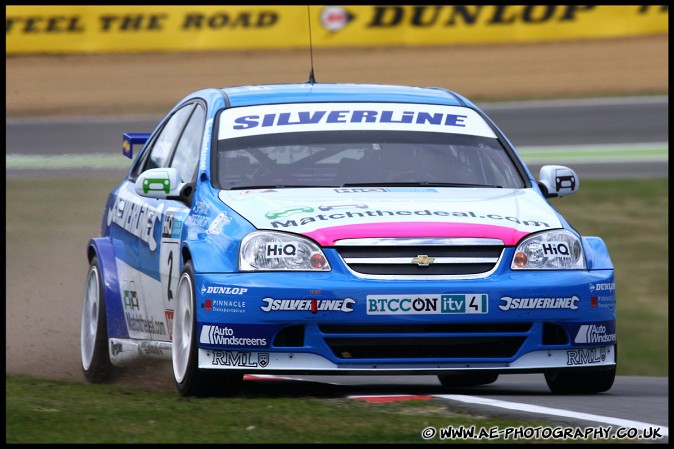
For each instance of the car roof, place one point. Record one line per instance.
(338, 92)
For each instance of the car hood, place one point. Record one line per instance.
(331, 214)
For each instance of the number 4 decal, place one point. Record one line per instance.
(477, 303)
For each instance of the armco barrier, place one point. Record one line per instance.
(105, 29)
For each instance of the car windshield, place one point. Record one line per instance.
(362, 157)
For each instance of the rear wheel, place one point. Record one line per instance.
(467, 380)
(189, 379)
(96, 363)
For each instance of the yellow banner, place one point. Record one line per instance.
(103, 29)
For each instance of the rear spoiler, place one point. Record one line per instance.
(131, 139)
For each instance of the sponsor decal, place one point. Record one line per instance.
(585, 356)
(224, 305)
(220, 221)
(427, 304)
(326, 207)
(159, 183)
(272, 215)
(307, 117)
(312, 305)
(280, 250)
(319, 117)
(555, 249)
(220, 290)
(378, 214)
(171, 227)
(226, 336)
(242, 359)
(538, 303)
(594, 333)
(137, 323)
(360, 189)
(158, 348)
(197, 220)
(607, 302)
(135, 216)
(201, 207)
(205, 144)
(116, 348)
(130, 295)
(334, 18)
(384, 189)
(169, 322)
(410, 189)
(199, 216)
(602, 287)
(342, 206)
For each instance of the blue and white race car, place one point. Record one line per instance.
(343, 228)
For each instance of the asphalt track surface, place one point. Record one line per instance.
(551, 126)
(641, 401)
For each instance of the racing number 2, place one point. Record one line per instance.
(169, 293)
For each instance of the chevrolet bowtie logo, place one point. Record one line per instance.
(423, 260)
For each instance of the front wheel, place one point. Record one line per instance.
(189, 378)
(580, 382)
(96, 364)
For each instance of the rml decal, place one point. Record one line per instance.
(427, 304)
(134, 216)
(585, 356)
(241, 359)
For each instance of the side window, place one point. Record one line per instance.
(160, 152)
(186, 157)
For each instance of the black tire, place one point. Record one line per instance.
(580, 382)
(467, 380)
(95, 357)
(189, 379)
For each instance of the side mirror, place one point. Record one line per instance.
(159, 183)
(557, 181)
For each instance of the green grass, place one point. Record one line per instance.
(59, 412)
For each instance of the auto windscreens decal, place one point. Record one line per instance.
(303, 117)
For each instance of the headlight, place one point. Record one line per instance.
(277, 251)
(550, 250)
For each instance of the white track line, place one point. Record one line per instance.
(552, 411)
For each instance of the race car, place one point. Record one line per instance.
(348, 229)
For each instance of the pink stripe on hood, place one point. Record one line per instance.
(328, 236)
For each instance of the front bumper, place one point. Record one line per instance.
(329, 322)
